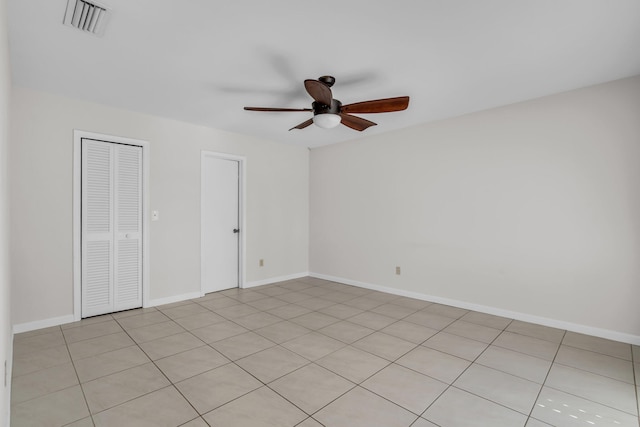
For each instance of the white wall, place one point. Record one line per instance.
(532, 208)
(41, 200)
(6, 343)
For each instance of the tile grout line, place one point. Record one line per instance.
(310, 415)
(599, 352)
(593, 373)
(596, 373)
(465, 370)
(152, 361)
(78, 377)
(135, 344)
(473, 362)
(171, 384)
(301, 367)
(240, 367)
(343, 346)
(257, 388)
(318, 330)
(310, 362)
(359, 385)
(593, 401)
(546, 377)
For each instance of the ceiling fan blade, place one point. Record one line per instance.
(354, 122)
(303, 124)
(386, 105)
(319, 91)
(276, 109)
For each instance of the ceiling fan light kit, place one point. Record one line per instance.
(326, 120)
(327, 116)
(329, 112)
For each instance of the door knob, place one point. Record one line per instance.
(236, 230)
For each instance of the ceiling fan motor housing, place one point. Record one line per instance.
(334, 108)
(327, 80)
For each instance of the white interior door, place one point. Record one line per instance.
(111, 227)
(220, 223)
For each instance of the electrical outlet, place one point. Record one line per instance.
(397, 270)
(261, 263)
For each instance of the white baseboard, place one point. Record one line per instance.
(559, 324)
(44, 323)
(55, 321)
(275, 280)
(172, 299)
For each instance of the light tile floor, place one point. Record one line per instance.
(311, 353)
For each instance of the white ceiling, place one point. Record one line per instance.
(201, 61)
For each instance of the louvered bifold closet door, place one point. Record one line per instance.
(128, 214)
(111, 227)
(97, 228)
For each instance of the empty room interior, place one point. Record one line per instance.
(338, 214)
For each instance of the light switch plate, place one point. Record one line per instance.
(155, 215)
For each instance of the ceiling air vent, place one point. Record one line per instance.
(87, 16)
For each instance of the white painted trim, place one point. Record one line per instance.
(9, 378)
(44, 323)
(77, 226)
(544, 321)
(242, 252)
(275, 279)
(174, 298)
(56, 321)
(77, 214)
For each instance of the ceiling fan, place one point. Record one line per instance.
(328, 112)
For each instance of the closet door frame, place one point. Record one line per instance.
(78, 135)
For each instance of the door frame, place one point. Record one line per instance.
(78, 135)
(242, 167)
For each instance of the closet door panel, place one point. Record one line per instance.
(128, 213)
(97, 228)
